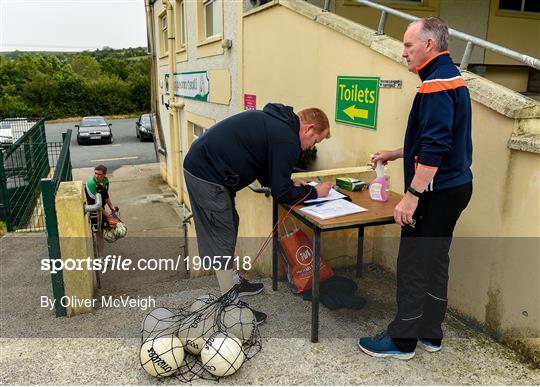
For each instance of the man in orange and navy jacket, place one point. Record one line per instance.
(437, 157)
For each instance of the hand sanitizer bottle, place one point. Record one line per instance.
(377, 188)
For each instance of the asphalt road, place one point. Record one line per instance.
(125, 150)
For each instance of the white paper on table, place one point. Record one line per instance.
(332, 195)
(333, 209)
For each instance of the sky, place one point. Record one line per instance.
(71, 25)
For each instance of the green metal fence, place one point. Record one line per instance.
(22, 165)
(49, 187)
(31, 171)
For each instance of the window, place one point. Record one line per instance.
(181, 24)
(93, 121)
(212, 17)
(198, 131)
(196, 126)
(520, 5)
(164, 35)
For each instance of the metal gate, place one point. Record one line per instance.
(23, 164)
(49, 187)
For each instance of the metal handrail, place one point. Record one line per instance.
(264, 190)
(470, 39)
(94, 207)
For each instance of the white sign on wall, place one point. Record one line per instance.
(194, 85)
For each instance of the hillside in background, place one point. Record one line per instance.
(67, 84)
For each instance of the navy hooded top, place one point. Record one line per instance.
(439, 127)
(252, 145)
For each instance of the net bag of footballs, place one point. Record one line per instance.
(207, 338)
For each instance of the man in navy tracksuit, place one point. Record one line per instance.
(437, 156)
(252, 145)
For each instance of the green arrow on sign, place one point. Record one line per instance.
(353, 112)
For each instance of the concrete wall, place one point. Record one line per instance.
(467, 16)
(495, 271)
(75, 243)
(480, 18)
(225, 97)
(199, 55)
(518, 32)
(473, 21)
(395, 27)
(515, 78)
(292, 52)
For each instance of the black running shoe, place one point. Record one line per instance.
(260, 317)
(246, 288)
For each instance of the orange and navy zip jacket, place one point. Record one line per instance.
(439, 127)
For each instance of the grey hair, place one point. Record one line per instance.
(435, 28)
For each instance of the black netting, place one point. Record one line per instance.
(208, 338)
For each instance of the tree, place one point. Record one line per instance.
(86, 66)
(56, 85)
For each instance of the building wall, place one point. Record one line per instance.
(495, 271)
(470, 17)
(480, 18)
(292, 53)
(517, 32)
(474, 21)
(395, 27)
(513, 77)
(222, 65)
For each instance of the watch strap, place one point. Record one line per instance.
(414, 192)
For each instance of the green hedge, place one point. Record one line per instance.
(63, 85)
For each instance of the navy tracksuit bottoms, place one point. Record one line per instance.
(422, 267)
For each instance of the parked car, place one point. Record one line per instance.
(94, 129)
(143, 128)
(11, 129)
(6, 133)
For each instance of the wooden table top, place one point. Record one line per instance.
(376, 211)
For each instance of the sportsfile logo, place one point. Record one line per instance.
(110, 263)
(158, 361)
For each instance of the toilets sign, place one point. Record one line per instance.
(356, 101)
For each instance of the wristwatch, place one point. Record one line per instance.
(414, 192)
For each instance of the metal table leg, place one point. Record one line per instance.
(274, 246)
(360, 252)
(315, 285)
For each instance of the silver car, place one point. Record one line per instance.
(94, 129)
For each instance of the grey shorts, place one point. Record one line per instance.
(216, 219)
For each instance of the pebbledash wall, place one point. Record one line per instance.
(292, 52)
(212, 59)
